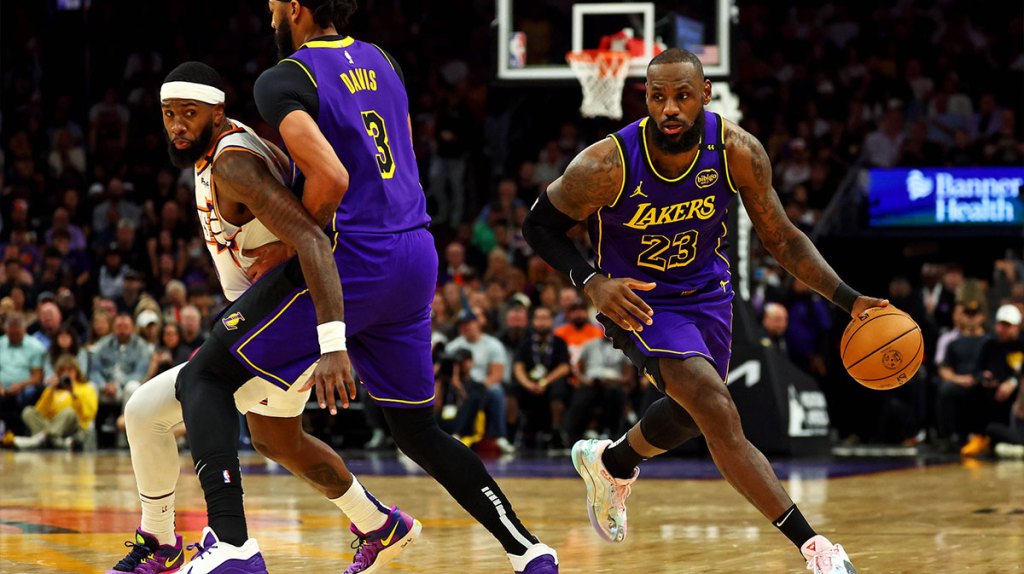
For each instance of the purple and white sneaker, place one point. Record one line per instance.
(377, 548)
(538, 559)
(216, 557)
(148, 556)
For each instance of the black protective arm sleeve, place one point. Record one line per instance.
(545, 230)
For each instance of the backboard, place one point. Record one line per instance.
(533, 37)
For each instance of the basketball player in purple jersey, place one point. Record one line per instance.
(340, 106)
(655, 196)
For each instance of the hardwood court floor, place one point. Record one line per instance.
(63, 512)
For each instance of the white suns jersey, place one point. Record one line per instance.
(225, 241)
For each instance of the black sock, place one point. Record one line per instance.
(461, 473)
(793, 524)
(621, 460)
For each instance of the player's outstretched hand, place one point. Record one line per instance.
(267, 256)
(615, 299)
(333, 374)
(864, 303)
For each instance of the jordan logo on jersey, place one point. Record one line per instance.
(637, 191)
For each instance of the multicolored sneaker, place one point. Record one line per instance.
(148, 556)
(606, 495)
(377, 548)
(538, 559)
(823, 557)
(219, 557)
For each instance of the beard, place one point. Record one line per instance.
(283, 39)
(686, 140)
(182, 158)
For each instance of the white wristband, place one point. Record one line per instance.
(332, 337)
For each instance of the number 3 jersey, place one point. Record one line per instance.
(669, 231)
(364, 114)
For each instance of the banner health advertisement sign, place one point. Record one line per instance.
(935, 196)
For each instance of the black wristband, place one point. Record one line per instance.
(845, 297)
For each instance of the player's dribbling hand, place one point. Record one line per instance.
(864, 303)
(333, 374)
(615, 299)
(267, 256)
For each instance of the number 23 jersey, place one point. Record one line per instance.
(669, 231)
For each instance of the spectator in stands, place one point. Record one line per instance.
(64, 343)
(882, 146)
(110, 279)
(47, 324)
(64, 411)
(488, 368)
(114, 208)
(72, 314)
(599, 401)
(578, 329)
(999, 365)
(147, 324)
(21, 370)
(131, 291)
(809, 321)
(120, 363)
(175, 300)
(959, 389)
(454, 269)
(541, 370)
(100, 326)
(168, 352)
(774, 324)
(192, 335)
(448, 167)
(460, 399)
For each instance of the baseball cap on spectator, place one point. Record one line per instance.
(45, 296)
(520, 299)
(132, 274)
(1008, 314)
(147, 318)
(465, 316)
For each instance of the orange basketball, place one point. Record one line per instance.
(883, 348)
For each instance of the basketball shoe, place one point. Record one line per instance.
(377, 548)
(538, 559)
(148, 556)
(823, 557)
(606, 495)
(216, 557)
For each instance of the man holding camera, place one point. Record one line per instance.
(66, 408)
(461, 399)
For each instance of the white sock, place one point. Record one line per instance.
(362, 508)
(158, 518)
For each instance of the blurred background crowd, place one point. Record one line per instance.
(105, 280)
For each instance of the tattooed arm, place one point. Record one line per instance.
(244, 177)
(593, 179)
(752, 172)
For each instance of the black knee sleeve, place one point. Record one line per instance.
(667, 425)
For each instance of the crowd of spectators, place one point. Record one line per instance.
(105, 278)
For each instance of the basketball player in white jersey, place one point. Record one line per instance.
(200, 134)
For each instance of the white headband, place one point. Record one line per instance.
(191, 91)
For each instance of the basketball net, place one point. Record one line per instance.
(602, 74)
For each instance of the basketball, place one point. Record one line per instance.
(882, 348)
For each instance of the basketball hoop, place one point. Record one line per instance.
(602, 74)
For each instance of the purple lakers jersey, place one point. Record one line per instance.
(667, 231)
(364, 114)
